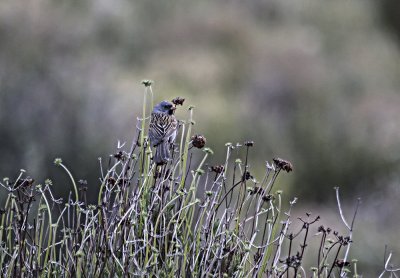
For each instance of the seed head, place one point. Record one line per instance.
(217, 169)
(58, 161)
(247, 175)
(249, 143)
(178, 101)
(283, 164)
(198, 141)
(147, 82)
(267, 198)
(120, 156)
(341, 263)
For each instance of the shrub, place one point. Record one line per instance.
(180, 219)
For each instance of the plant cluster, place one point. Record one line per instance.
(181, 219)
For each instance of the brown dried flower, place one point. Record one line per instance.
(120, 156)
(249, 143)
(341, 263)
(178, 101)
(248, 176)
(111, 180)
(267, 198)
(217, 169)
(283, 164)
(198, 141)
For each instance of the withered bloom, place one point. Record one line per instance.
(147, 82)
(217, 169)
(178, 101)
(341, 263)
(267, 198)
(120, 156)
(198, 141)
(283, 164)
(248, 176)
(249, 143)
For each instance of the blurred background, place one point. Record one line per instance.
(314, 82)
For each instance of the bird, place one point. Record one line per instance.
(162, 131)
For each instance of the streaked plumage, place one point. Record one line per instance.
(162, 131)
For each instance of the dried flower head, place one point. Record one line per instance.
(257, 190)
(178, 101)
(147, 82)
(198, 141)
(217, 169)
(58, 161)
(283, 164)
(341, 263)
(248, 176)
(249, 143)
(267, 198)
(321, 229)
(111, 180)
(120, 156)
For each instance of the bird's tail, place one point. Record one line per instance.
(162, 154)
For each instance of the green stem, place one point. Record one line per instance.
(72, 180)
(2, 228)
(105, 181)
(186, 150)
(272, 235)
(50, 225)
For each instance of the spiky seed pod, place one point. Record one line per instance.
(198, 141)
(283, 164)
(178, 101)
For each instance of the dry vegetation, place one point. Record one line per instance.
(182, 219)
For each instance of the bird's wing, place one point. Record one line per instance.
(162, 126)
(171, 132)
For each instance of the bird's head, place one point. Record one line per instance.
(164, 107)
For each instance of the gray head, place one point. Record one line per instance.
(164, 107)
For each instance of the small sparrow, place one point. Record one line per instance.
(162, 131)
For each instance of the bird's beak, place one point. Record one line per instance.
(172, 110)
